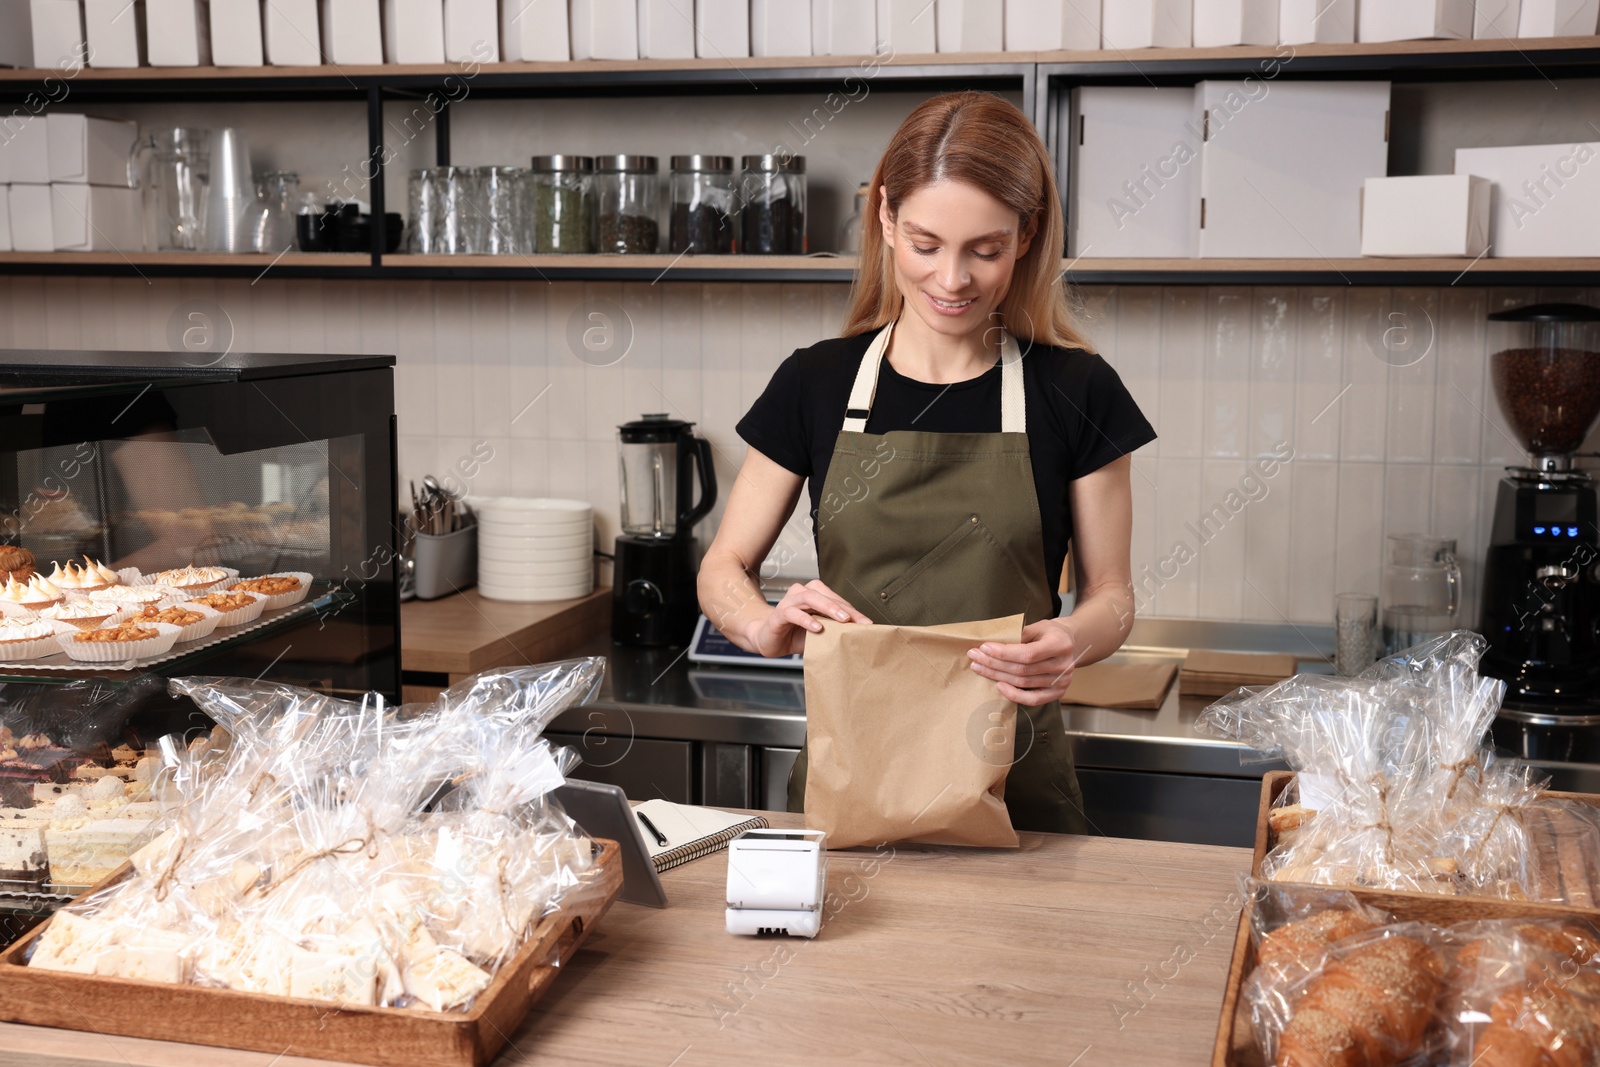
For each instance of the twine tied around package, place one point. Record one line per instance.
(1501, 810)
(348, 847)
(164, 883)
(1458, 770)
(1383, 824)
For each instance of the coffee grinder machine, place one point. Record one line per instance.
(1541, 577)
(653, 600)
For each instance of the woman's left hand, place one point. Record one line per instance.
(1034, 672)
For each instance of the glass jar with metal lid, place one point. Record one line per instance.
(561, 204)
(702, 205)
(772, 208)
(629, 203)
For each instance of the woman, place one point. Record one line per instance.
(956, 439)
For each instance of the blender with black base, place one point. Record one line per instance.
(653, 599)
(1541, 577)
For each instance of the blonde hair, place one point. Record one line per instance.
(981, 140)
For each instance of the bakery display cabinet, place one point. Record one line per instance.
(221, 469)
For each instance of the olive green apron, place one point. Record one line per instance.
(921, 529)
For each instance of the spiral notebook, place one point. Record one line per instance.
(691, 832)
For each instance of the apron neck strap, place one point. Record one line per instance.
(1013, 407)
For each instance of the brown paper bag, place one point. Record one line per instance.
(906, 741)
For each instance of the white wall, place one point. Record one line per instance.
(1224, 374)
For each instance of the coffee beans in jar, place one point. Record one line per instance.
(1550, 396)
(702, 205)
(772, 205)
(629, 196)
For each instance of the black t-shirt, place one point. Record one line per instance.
(1080, 417)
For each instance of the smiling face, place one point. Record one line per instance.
(954, 250)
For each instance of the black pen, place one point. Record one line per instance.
(661, 838)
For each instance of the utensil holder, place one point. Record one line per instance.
(445, 563)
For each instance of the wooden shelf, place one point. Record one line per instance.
(1384, 50)
(815, 268)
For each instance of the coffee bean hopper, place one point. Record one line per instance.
(1541, 599)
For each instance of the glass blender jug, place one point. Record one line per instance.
(1421, 590)
(177, 186)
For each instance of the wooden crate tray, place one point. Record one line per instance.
(1236, 1044)
(384, 1037)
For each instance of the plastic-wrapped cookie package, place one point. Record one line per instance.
(1395, 787)
(354, 853)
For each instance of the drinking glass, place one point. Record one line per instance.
(1355, 617)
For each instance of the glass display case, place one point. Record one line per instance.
(259, 464)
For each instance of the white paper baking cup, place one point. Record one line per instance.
(33, 648)
(112, 611)
(283, 600)
(120, 651)
(240, 616)
(195, 630)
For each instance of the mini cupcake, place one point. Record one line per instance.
(236, 608)
(281, 589)
(22, 639)
(192, 579)
(34, 595)
(83, 613)
(127, 640)
(76, 579)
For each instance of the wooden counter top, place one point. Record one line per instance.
(467, 632)
(1071, 951)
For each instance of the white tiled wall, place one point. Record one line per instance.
(1412, 441)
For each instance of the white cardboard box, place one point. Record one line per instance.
(236, 33)
(179, 33)
(31, 230)
(1228, 22)
(1147, 23)
(57, 34)
(413, 30)
(907, 26)
(781, 28)
(352, 32)
(1425, 215)
(1048, 24)
(970, 25)
(606, 29)
(1317, 21)
(534, 31)
(666, 29)
(1133, 159)
(88, 149)
(1544, 197)
(1558, 18)
(471, 31)
(843, 28)
(1282, 166)
(16, 34)
(115, 32)
(25, 142)
(290, 31)
(1414, 20)
(1496, 19)
(95, 218)
(5, 218)
(722, 28)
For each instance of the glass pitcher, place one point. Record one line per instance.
(270, 221)
(660, 458)
(175, 186)
(1421, 590)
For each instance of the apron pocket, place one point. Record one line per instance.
(965, 577)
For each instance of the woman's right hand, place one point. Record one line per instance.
(783, 631)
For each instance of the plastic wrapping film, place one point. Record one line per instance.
(1395, 787)
(1339, 982)
(348, 852)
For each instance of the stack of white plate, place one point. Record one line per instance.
(534, 548)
